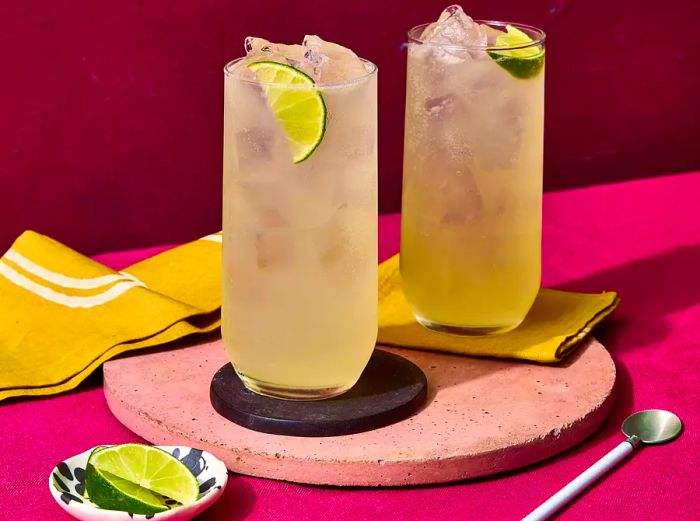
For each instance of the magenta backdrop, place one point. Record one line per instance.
(110, 112)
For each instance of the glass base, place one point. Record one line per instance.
(290, 393)
(465, 330)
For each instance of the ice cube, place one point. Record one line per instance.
(314, 59)
(454, 27)
(330, 62)
(492, 33)
(273, 249)
(271, 217)
(436, 106)
(505, 116)
(457, 218)
(462, 202)
(260, 47)
(262, 202)
(255, 45)
(333, 243)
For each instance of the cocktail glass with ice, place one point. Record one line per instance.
(472, 185)
(299, 302)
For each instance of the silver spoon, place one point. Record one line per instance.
(649, 427)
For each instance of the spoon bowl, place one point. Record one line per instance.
(652, 426)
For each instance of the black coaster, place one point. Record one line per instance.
(390, 389)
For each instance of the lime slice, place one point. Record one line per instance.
(521, 63)
(138, 476)
(113, 493)
(300, 111)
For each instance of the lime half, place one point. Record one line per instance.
(113, 493)
(138, 479)
(300, 111)
(521, 63)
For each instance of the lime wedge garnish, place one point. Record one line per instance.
(138, 479)
(521, 63)
(301, 112)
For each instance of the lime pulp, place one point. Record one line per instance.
(296, 103)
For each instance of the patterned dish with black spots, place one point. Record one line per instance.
(67, 485)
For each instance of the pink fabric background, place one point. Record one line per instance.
(640, 238)
(111, 112)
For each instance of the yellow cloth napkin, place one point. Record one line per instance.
(556, 323)
(62, 314)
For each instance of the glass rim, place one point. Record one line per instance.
(370, 67)
(414, 36)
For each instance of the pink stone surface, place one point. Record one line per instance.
(481, 417)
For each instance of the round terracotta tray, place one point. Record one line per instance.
(482, 416)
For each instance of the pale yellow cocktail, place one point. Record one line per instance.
(299, 311)
(472, 187)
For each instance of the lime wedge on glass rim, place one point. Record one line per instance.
(522, 63)
(138, 479)
(296, 104)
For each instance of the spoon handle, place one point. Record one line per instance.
(583, 480)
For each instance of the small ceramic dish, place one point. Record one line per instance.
(67, 484)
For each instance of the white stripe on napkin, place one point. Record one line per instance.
(63, 280)
(70, 301)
